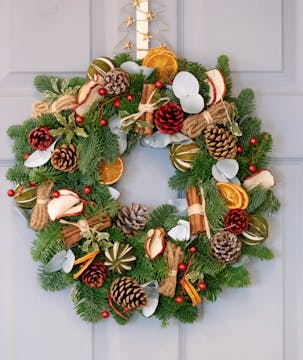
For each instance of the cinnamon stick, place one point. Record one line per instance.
(147, 117)
(195, 211)
(72, 234)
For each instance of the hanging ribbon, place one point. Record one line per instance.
(143, 108)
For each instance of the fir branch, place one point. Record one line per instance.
(115, 234)
(179, 181)
(77, 81)
(206, 265)
(166, 309)
(110, 143)
(132, 141)
(201, 168)
(224, 68)
(165, 216)
(264, 146)
(18, 174)
(54, 281)
(259, 251)
(214, 288)
(187, 313)
(89, 303)
(48, 243)
(257, 196)
(44, 173)
(270, 206)
(245, 103)
(43, 83)
(234, 277)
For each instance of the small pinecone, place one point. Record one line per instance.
(132, 219)
(236, 221)
(225, 247)
(95, 275)
(169, 118)
(127, 293)
(221, 143)
(40, 138)
(65, 158)
(116, 81)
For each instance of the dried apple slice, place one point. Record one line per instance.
(262, 177)
(89, 95)
(217, 86)
(155, 243)
(68, 203)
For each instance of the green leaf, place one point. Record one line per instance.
(81, 132)
(61, 119)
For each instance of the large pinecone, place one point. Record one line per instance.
(116, 81)
(127, 293)
(132, 219)
(95, 275)
(221, 143)
(169, 118)
(236, 221)
(40, 138)
(65, 158)
(225, 247)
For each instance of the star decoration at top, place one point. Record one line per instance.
(128, 44)
(136, 3)
(151, 15)
(129, 21)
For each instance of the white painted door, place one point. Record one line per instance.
(262, 38)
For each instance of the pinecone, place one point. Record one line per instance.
(40, 138)
(116, 81)
(65, 158)
(236, 221)
(132, 219)
(169, 118)
(127, 293)
(95, 275)
(221, 143)
(225, 247)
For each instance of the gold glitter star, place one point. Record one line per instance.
(150, 15)
(129, 21)
(128, 44)
(136, 3)
(147, 37)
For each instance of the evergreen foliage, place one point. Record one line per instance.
(103, 145)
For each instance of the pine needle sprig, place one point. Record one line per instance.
(234, 277)
(259, 251)
(245, 103)
(54, 281)
(164, 212)
(224, 68)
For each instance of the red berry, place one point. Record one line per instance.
(87, 190)
(253, 141)
(130, 97)
(32, 184)
(102, 91)
(159, 84)
(93, 202)
(179, 299)
(26, 156)
(117, 104)
(55, 194)
(239, 150)
(103, 122)
(252, 168)
(127, 310)
(182, 267)
(201, 285)
(105, 314)
(79, 120)
(10, 192)
(193, 250)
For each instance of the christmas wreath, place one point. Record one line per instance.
(118, 258)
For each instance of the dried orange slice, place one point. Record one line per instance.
(234, 195)
(111, 172)
(163, 60)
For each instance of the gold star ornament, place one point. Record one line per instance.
(150, 15)
(129, 21)
(136, 3)
(128, 45)
(147, 37)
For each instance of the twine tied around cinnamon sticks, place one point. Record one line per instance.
(174, 255)
(146, 106)
(197, 211)
(39, 217)
(73, 233)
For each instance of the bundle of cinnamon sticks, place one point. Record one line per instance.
(195, 211)
(147, 117)
(72, 234)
